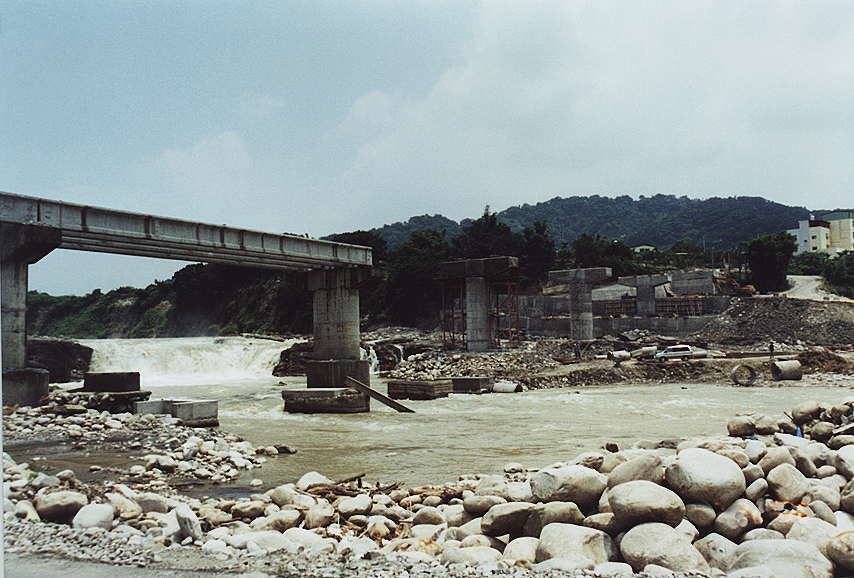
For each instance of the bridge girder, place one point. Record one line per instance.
(102, 230)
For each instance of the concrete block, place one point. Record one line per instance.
(472, 384)
(334, 372)
(192, 411)
(25, 387)
(152, 406)
(326, 400)
(111, 381)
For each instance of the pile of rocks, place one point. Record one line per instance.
(774, 498)
(532, 358)
(793, 322)
(165, 448)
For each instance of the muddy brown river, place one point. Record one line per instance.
(444, 438)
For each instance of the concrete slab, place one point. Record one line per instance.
(326, 400)
(472, 384)
(194, 413)
(111, 381)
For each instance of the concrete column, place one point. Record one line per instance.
(336, 329)
(20, 246)
(336, 314)
(13, 301)
(477, 314)
(577, 285)
(645, 284)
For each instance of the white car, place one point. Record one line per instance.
(683, 352)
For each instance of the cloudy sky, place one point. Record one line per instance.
(320, 116)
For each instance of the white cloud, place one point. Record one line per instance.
(565, 98)
(255, 106)
(213, 179)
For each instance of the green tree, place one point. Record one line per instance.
(598, 251)
(768, 259)
(685, 247)
(538, 251)
(588, 250)
(486, 237)
(809, 263)
(839, 273)
(411, 292)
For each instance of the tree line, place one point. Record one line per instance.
(217, 299)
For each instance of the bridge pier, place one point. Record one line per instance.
(576, 287)
(645, 285)
(22, 245)
(335, 294)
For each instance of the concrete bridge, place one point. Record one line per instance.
(30, 228)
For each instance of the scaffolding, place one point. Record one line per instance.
(504, 312)
(502, 286)
(453, 314)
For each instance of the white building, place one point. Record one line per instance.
(833, 233)
(644, 248)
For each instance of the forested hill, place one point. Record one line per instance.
(560, 233)
(660, 220)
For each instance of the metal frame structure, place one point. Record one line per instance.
(506, 308)
(453, 313)
(503, 298)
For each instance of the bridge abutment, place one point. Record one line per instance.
(22, 245)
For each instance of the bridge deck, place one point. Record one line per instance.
(102, 230)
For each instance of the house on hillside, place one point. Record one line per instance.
(833, 233)
(643, 248)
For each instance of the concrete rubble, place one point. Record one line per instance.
(776, 496)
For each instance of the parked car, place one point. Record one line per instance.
(683, 352)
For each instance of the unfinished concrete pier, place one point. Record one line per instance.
(569, 306)
(470, 293)
(645, 285)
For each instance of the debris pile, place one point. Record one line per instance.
(823, 361)
(793, 322)
(533, 358)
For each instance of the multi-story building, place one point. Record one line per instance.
(833, 233)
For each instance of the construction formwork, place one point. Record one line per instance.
(496, 283)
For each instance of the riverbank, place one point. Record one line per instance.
(195, 487)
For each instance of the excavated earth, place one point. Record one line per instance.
(788, 321)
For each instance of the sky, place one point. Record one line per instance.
(317, 117)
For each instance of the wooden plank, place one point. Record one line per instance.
(361, 387)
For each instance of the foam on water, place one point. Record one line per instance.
(189, 361)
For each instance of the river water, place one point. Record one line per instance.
(444, 438)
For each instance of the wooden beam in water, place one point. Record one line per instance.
(362, 388)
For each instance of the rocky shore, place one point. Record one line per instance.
(774, 498)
